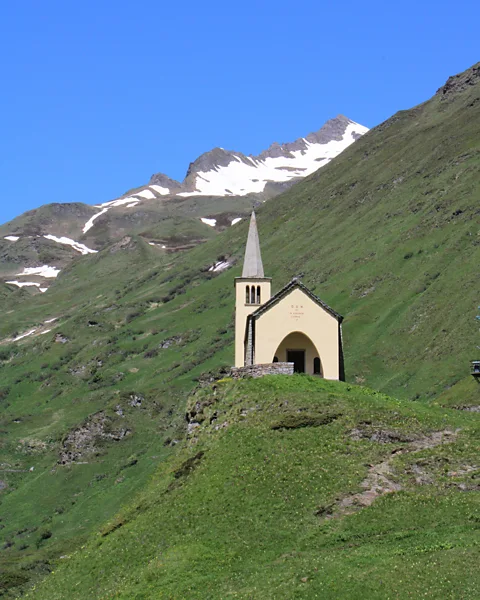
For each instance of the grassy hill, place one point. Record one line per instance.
(284, 490)
(92, 403)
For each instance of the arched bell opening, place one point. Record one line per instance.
(298, 348)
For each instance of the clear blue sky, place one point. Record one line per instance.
(97, 95)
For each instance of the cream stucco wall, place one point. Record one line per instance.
(242, 310)
(297, 312)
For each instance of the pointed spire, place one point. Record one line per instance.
(252, 265)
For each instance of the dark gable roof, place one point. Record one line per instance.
(295, 283)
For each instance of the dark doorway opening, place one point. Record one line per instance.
(298, 359)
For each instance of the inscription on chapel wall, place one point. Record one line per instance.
(296, 311)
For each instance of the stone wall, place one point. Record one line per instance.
(255, 371)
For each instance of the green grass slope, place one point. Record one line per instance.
(387, 234)
(11, 295)
(98, 344)
(273, 496)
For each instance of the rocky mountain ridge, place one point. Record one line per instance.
(218, 191)
(226, 173)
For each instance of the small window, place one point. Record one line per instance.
(252, 295)
(275, 359)
(247, 295)
(258, 294)
(316, 366)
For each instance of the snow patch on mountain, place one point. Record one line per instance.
(219, 266)
(235, 221)
(163, 191)
(44, 271)
(210, 222)
(118, 202)
(24, 335)
(11, 238)
(89, 224)
(147, 194)
(128, 202)
(68, 242)
(21, 284)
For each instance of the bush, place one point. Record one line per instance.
(7, 352)
(45, 534)
(132, 315)
(151, 353)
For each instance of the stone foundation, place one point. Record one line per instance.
(255, 371)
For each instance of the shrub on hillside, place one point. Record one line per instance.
(7, 352)
(151, 353)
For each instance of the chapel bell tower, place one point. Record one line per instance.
(252, 290)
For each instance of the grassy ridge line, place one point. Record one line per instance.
(239, 509)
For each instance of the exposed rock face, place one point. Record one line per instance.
(333, 130)
(381, 478)
(164, 181)
(218, 157)
(84, 441)
(458, 83)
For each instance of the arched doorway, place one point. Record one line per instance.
(298, 348)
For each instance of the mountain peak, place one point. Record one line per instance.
(217, 157)
(165, 182)
(221, 172)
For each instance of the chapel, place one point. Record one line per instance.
(292, 326)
